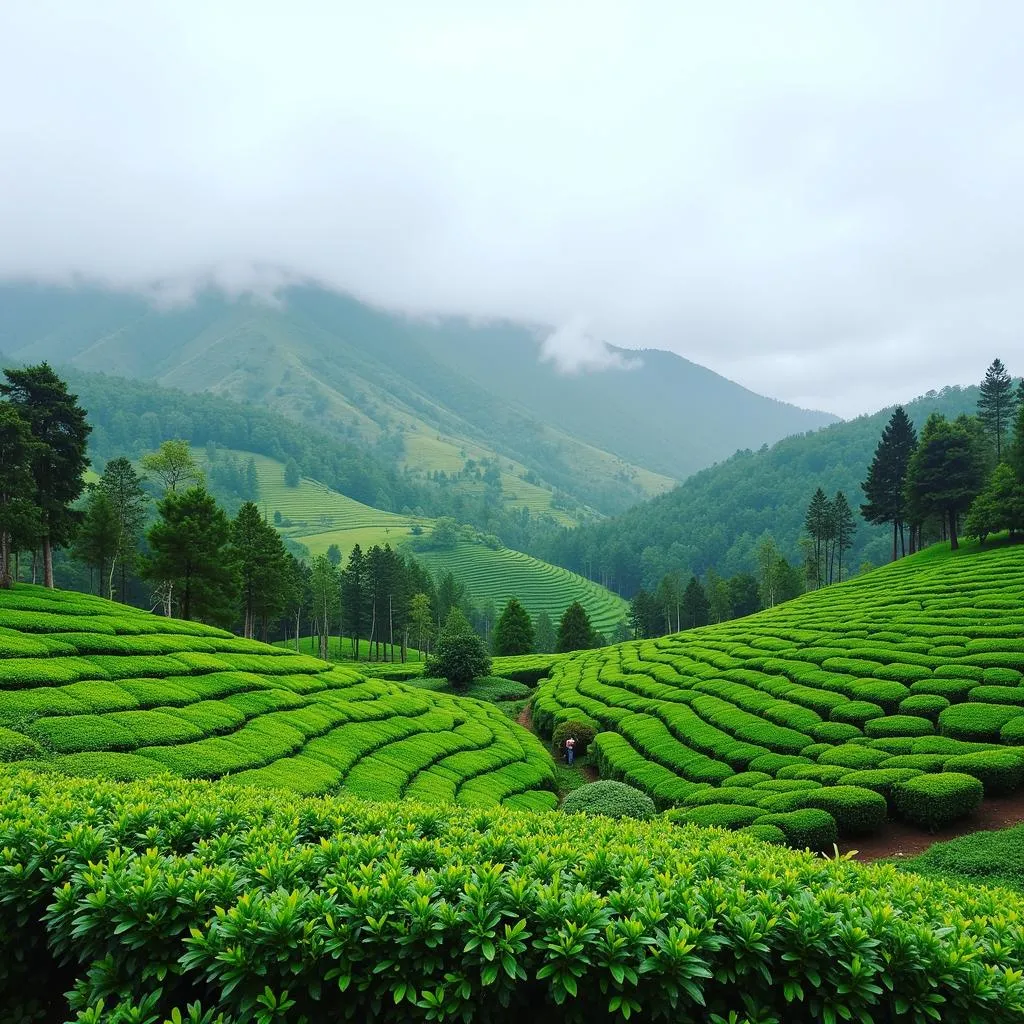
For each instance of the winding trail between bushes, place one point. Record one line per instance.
(525, 719)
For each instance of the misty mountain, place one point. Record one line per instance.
(427, 387)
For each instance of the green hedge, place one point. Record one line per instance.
(809, 828)
(932, 801)
(715, 815)
(887, 695)
(610, 798)
(857, 811)
(978, 722)
(899, 726)
(856, 712)
(924, 705)
(15, 747)
(851, 756)
(766, 833)
(1000, 772)
(881, 780)
(835, 732)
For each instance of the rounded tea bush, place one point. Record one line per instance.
(979, 722)
(899, 725)
(613, 799)
(858, 812)
(766, 833)
(999, 771)
(582, 733)
(924, 705)
(806, 829)
(853, 756)
(932, 801)
(856, 712)
(715, 815)
(881, 780)
(835, 732)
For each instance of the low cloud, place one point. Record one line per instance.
(573, 350)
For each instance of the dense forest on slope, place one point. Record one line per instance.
(716, 517)
(609, 438)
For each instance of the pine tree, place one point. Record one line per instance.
(884, 487)
(844, 528)
(262, 564)
(60, 432)
(191, 556)
(96, 540)
(353, 596)
(575, 632)
(514, 631)
(719, 605)
(545, 639)
(1017, 442)
(695, 605)
(292, 476)
(817, 523)
(996, 404)
(128, 502)
(19, 516)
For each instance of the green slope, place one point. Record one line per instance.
(607, 438)
(497, 575)
(917, 668)
(96, 688)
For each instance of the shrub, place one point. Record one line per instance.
(932, 801)
(887, 695)
(978, 722)
(582, 733)
(1000, 772)
(715, 815)
(893, 744)
(459, 655)
(854, 757)
(772, 763)
(924, 705)
(899, 725)
(815, 750)
(881, 780)
(15, 747)
(612, 799)
(746, 779)
(785, 785)
(724, 795)
(766, 833)
(835, 732)
(856, 712)
(857, 811)
(986, 694)
(954, 689)
(1002, 676)
(922, 762)
(1013, 732)
(805, 829)
(826, 774)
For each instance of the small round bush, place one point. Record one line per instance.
(786, 785)
(887, 695)
(723, 795)
(835, 732)
(826, 774)
(582, 733)
(777, 803)
(766, 833)
(992, 694)
(924, 705)
(855, 757)
(815, 750)
(770, 764)
(900, 673)
(858, 812)
(920, 762)
(978, 722)
(1013, 732)
(932, 801)
(881, 780)
(999, 771)
(958, 671)
(954, 690)
(856, 712)
(805, 829)
(892, 744)
(613, 799)
(897, 726)
(745, 779)
(15, 747)
(715, 815)
(1002, 676)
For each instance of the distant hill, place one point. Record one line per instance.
(716, 517)
(435, 393)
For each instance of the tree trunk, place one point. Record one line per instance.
(954, 542)
(47, 563)
(5, 557)
(297, 614)
(895, 538)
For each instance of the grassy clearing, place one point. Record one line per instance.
(92, 687)
(898, 694)
(984, 858)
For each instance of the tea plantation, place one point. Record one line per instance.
(898, 693)
(94, 688)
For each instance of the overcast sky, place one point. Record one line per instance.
(821, 200)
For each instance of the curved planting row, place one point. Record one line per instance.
(900, 693)
(90, 687)
(497, 575)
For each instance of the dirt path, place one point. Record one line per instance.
(899, 840)
(525, 718)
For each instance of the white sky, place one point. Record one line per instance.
(821, 200)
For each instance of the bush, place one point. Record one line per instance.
(921, 762)
(459, 655)
(746, 779)
(897, 726)
(857, 811)
(15, 747)
(893, 744)
(856, 712)
(715, 815)
(1013, 732)
(854, 757)
(881, 780)
(924, 705)
(785, 785)
(612, 799)
(582, 733)
(977, 722)
(953, 689)
(932, 801)
(772, 763)
(766, 833)
(887, 695)
(815, 750)
(986, 694)
(826, 774)
(805, 829)
(835, 732)
(999, 772)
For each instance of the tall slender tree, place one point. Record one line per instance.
(844, 526)
(19, 517)
(324, 586)
(817, 522)
(60, 432)
(575, 632)
(996, 406)
(353, 596)
(695, 605)
(96, 539)
(262, 566)
(514, 631)
(128, 504)
(884, 488)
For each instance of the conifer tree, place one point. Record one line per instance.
(514, 631)
(262, 565)
(1017, 440)
(128, 503)
(695, 605)
(884, 488)
(59, 432)
(96, 540)
(818, 524)
(353, 596)
(575, 632)
(996, 404)
(545, 639)
(844, 526)
(19, 516)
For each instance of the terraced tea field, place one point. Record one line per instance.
(898, 693)
(94, 688)
(499, 575)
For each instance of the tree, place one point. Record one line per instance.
(421, 620)
(844, 526)
(353, 596)
(1017, 445)
(645, 618)
(885, 486)
(334, 554)
(744, 595)
(59, 432)
(545, 639)
(768, 559)
(191, 555)
(173, 465)
(514, 631)
(717, 590)
(946, 472)
(19, 517)
(128, 503)
(325, 589)
(460, 655)
(818, 524)
(574, 631)
(1000, 506)
(695, 605)
(668, 598)
(96, 540)
(292, 477)
(445, 533)
(262, 566)
(996, 403)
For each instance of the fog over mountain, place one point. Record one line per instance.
(819, 201)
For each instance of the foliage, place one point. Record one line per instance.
(514, 632)
(460, 655)
(174, 465)
(1000, 505)
(996, 405)
(575, 632)
(581, 732)
(611, 799)
(934, 800)
(885, 486)
(983, 858)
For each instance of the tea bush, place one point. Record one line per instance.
(932, 801)
(610, 798)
